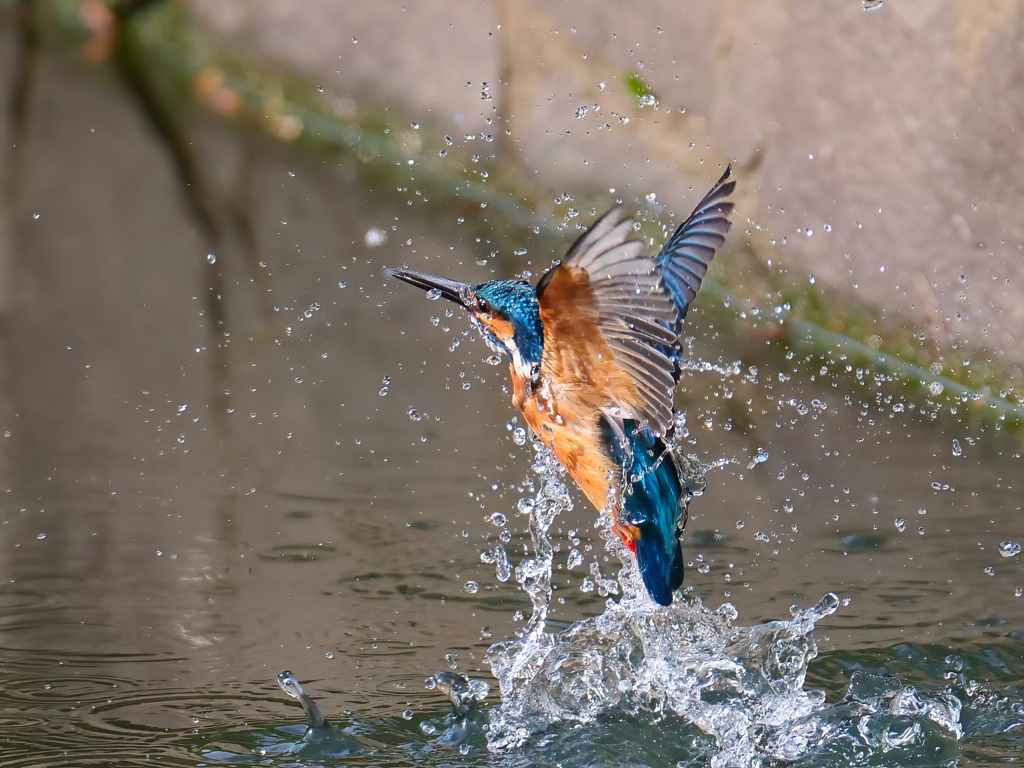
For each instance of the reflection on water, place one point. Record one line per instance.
(157, 573)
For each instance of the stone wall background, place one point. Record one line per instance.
(893, 135)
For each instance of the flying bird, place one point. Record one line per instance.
(594, 352)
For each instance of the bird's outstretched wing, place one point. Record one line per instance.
(640, 302)
(685, 257)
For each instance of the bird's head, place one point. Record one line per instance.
(505, 312)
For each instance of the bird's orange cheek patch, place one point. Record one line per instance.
(500, 327)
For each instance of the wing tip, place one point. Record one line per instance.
(724, 187)
(605, 223)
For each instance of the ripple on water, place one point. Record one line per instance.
(66, 709)
(300, 552)
(636, 685)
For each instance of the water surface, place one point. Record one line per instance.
(160, 565)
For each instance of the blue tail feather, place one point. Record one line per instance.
(661, 563)
(652, 502)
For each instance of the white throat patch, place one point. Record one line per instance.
(522, 368)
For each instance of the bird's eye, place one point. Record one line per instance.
(483, 305)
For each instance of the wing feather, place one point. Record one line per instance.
(685, 257)
(641, 302)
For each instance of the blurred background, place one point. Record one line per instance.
(231, 445)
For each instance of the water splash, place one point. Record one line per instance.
(736, 695)
(534, 574)
(318, 740)
(464, 728)
(637, 657)
(640, 659)
(290, 684)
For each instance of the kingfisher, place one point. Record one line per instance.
(594, 355)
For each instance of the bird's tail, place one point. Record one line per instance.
(660, 557)
(653, 505)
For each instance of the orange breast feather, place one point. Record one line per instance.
(579, 377)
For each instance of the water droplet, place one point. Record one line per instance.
(502, 567)
(519, 251)
(901, 524)
(414, 414)
(41, 536)
(407, 714)
(434, 294)
(329, 655)
(759, 458)
(575, 559)
(374, 237)
(211, 258)
(498, 519)
(519, 436)
(428, 728)
(935, 388)
(990, 570)
(1009, 549)
(957, 450)
(471, 587)
(648, 100)
(582, 111)
(870, 5)
(451, 660)
(740, 524)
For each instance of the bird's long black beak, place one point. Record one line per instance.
(449, 289)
